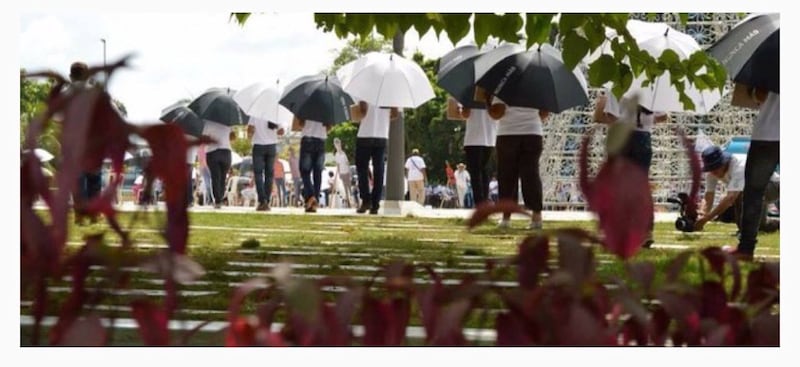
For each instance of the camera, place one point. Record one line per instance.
(686, 221)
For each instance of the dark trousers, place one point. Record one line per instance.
(370, 149)
(189, 185)
(639, 149)
(762, 159)
(90, 184)
(312, 161)
(518, 159)
(477, 166)
(219, 163)
(263, 170)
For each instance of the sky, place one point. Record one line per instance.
(184, 54)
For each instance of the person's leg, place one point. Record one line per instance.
(762, 158)
(639, 150)
(318, 156)
(189, 186)
(362, 168)
(531, 149)
(269, 172)
(259, 164)
(507, 169)
(305, 169)
(347, 188)
(217, 175)
(377, 154)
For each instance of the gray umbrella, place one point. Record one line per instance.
(217, 105)
(186, 119)
(754, 39)
(537, 78)
(456, 75)
(317, 98)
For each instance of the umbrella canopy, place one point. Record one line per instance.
(537, 78)
(318, 98)
(217, 105)
(456, 75)
(753, 40)
(185, 118)
(660, 94)
(389, 80)
(261, 101)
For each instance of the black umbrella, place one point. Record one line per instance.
(217, 105)
(749, 51)
(456, 75)
(186, 119)
(537, 78)
(317, 98)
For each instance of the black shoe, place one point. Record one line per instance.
(373, 210)
(263, 207)
(365, 205)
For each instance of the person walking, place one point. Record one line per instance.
(294, 170)
(218, 158)
(264, 137)
(639, 146)
(280, 182)
(463, 180)
(90, 183)
(371, 141)
(312, 160)
(763, 157)
(479, 140)
(343, 170)
(417, 177)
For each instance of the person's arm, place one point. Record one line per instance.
(601, 115)
(394, 113)
(250, 131)
(543, 114)
(709, 201)
(724, 204)
(465, 112)
(497, 111)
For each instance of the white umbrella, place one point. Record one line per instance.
(261, 101)
(660, 94)
(388, 80)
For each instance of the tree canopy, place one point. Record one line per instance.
(577, 34)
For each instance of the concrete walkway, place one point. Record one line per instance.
(406, 208)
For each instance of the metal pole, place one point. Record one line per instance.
(105, 74)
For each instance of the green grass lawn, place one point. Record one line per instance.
(356, 246)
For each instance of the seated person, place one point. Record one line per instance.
(728, 168)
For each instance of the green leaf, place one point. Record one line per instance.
(669, 57)
(437, 22)
(456, 25)
(385, 25)
(421, 23)
(508, 27)
(574, 50)
(241, 18)
(602, 70)
(696, 61)
(595, 34)
(483, 25)
(570, 21)
(537, 28)
(684, 18)
(686, 101)
(360, 23)
(625, 77)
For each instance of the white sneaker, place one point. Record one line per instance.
(535, 226)
(504, 224)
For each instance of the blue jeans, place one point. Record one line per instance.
(283, 196)
(263, 163)
(370, 149)
(312, 160)
(762, 159)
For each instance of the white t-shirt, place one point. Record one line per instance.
(263, 135)
(645, 122)
(519, 121)
(191, 154)
(493, 187)
(481, 129)
(767, 126)
(734, 178)
(342, 163)
(414, 165)
(315, 129)
(375, 123)
(462, 178)
(220, 133)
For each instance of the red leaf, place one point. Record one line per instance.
(449, 328)
(643, 273)
(575, 259)
(510, 330)
(240, 333)
(620, 195)
(532, 260)
(714, 301)
(152, 321)
(484, 210)
(717, 258)
(766, 330)
(85, 332)
(429, 299)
